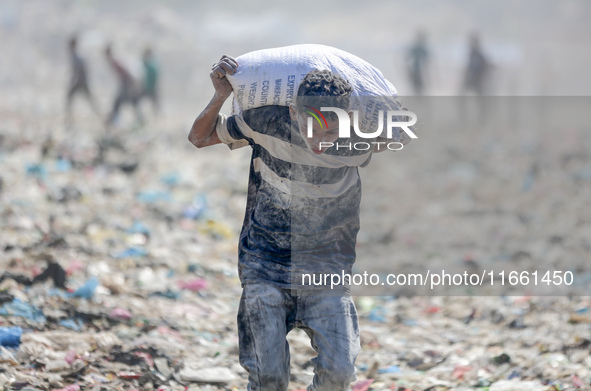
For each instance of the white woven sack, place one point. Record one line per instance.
(272, 76)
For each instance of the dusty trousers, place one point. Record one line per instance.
(265, 316)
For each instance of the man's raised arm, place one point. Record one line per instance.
(203, 133)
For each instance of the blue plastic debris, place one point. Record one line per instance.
(54, 292)
(63, 165)
(169, 294)
(410, 322)
(514, 375)
(153, 196)
(72, 324)
(37, 171)
(377, 314)
(390, 369)
(197, 208)
(171, 179)
(10, 337)
(138, 228)
(131, 252)
(22, 309)
(86, 291)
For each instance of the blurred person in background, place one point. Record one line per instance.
(128, 90)
(150, 80)
(78, 83)
(417, 62)
(478, 70)
(476, 82)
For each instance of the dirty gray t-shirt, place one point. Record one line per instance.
(302, 212)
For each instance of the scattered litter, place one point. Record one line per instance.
(502, 359)
(207, 375)
(10, 336)
(516, 385)
(194, 285)
(390, 369)
(362, 385)
(87, 290)
(120, 314)
(118, 252)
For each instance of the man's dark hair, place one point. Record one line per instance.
(324, 88)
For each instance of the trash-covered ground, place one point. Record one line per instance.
(119, 261)
(118, 251)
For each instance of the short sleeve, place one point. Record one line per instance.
(231, 138)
